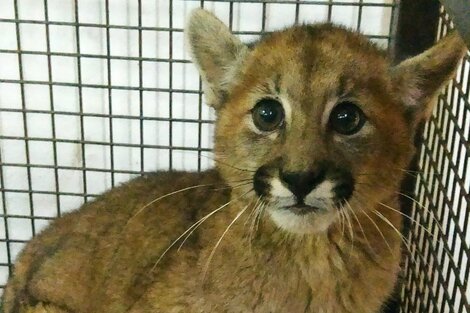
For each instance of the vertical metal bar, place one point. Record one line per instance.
(392, 28)
(80, 99)
(51, 98)
(297, 11)
(25, 122)
(199, 125)
(263, 22)
(230, 22)
(5, 218)
(199, 129)
(330, 10)
(359, 15)
(141, 92)
(110, 91)
(170, 65)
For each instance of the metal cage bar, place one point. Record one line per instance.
(437, 271)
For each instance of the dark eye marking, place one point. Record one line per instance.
(346, 118)
(268, 114)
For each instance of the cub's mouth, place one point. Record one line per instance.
(304, 202)
(301, 208)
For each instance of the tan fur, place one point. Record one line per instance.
(106, 256)
(42, 308)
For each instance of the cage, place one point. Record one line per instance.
(94, 92)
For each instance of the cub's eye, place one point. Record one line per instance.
(267, 114)
(346, 118)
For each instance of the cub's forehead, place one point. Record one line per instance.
(314, 60)
(317, 45)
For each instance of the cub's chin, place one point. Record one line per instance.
(302, 219)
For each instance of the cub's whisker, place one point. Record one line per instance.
(376, 227)
(206, 267)
(254, 218)
(202, 220)
(360, 226)
(379, 231)
(399, 234)
(351, 231)
(421, 206)
(433, 236)
(192, 228)
(242, 183)
(165, 196)
(259, 215)
(252, 211)
(342, 221)
(426, 210)
(219, 162)
(182, 190)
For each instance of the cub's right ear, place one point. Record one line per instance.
(216, 52)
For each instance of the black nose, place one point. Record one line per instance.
(301, 183)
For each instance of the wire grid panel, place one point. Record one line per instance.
(95, 92)
(437, 270)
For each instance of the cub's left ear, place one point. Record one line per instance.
(419, 79)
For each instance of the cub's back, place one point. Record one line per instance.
(103, 254)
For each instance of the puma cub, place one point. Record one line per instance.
(313, 135)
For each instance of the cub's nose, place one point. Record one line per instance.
(301, 183)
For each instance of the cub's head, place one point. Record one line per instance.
(315, 116)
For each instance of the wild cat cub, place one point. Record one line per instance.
(314, 128)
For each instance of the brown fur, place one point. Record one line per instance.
(106, 256)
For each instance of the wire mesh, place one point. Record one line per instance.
(437, 271)
(95, 92)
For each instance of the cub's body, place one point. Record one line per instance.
(314, 134)
(103, 258)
